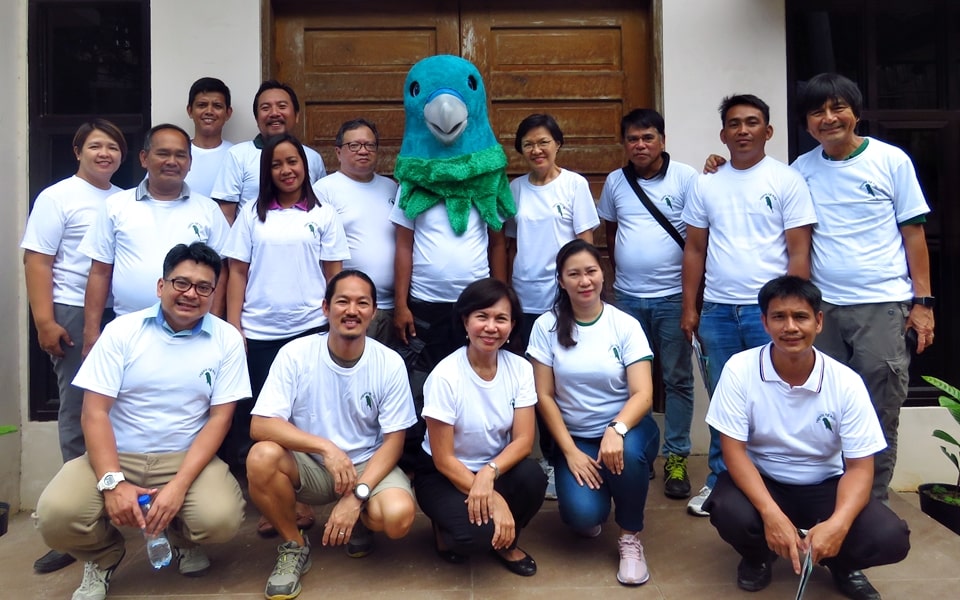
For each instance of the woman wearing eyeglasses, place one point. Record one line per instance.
(282, 249)
(554, 206)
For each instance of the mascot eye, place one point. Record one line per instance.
(472, 82)
(414, 89)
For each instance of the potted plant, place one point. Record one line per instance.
(4, 507)
(942, 500)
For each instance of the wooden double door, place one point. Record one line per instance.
(584, 63)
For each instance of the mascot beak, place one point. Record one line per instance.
(446, 115)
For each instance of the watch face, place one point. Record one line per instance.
(620, 428)
(362, 491)
(109, 480)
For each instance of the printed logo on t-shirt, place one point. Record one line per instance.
(668, 200)
(615, 350)
(207, 375)
(559, 208)
(392, 200)
(827, 420)
(196, 227)
(769, 199)
(367, 398)
(870, 188)
(513, 403)
(314, 228)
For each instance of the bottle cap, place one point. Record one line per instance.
(144, 499)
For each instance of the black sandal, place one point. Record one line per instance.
(447, 555)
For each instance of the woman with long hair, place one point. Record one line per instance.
(474, 480)
(591, 363)
(283, 249)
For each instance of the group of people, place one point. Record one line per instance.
(376, 360)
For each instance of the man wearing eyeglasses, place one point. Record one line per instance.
(133, 229)
(364, 199)
(277, 110)
(160, 389)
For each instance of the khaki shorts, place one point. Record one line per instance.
(317, 485)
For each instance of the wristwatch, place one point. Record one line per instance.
(110, 481)
(620, 428)
(361, 492)
(928, 301)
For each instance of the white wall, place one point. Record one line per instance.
(213, 38)
(714, 49)
(13, 169)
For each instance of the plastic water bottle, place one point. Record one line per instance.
(158, 546)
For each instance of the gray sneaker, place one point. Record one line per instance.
(191, 562)
(293, 561)
(695, 506)
(96, 581)
(551, 492)
(361, 541)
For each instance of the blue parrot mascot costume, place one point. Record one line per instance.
(449, 153)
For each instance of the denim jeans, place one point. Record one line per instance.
(726, 329)
(583, 508)
(660, 319)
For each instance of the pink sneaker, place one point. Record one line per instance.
(633, 565)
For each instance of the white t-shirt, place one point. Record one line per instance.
(61, 216)
(548, 216)
(134, 232)
(747, 212)
(204, 166)
(590, 378)
(164, 385)
(239, 177)
(285, 282)
(352, 407)
(795, 435)
(857, 254)
(443, 262)
(480, 411)
(364, 209)
(648, 259)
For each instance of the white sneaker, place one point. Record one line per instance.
(191, 562)
(633, 565)
(695, 506)
(96, 582)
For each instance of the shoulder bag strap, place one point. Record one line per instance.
(631, 176)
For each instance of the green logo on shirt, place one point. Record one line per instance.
(207, 375)
(870, 188)
(669, 201)
(367, 399)
(196, 230)
(824, 419)
(314, 229)
(768, 199)
(559, 209)
(616, 351)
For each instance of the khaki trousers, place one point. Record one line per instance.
(72, 519)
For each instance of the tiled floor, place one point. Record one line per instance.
(686, 558)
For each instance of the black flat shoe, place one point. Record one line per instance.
(524, 567)
(52, 561)
(447, 555)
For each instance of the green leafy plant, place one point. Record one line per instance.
(952, 403)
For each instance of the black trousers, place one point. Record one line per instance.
(876, 537)
(522, 487)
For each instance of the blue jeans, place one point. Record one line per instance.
(660, 319)
(583, 508)
(726, 329)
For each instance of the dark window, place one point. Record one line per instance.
(86, 59)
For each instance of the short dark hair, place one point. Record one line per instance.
(273, 84)
(484, 293)
(824, 87)
(332, 284)
(96, 123)
(641, 118)
(744, 100)
(356, 124)
(198, 252)
(208, 85)
(148, 138)
(267, 188)
(538, 120)
(789, 286)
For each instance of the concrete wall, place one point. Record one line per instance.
(215, 38)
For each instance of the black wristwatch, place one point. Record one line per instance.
(362, 492)
(928, 301)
